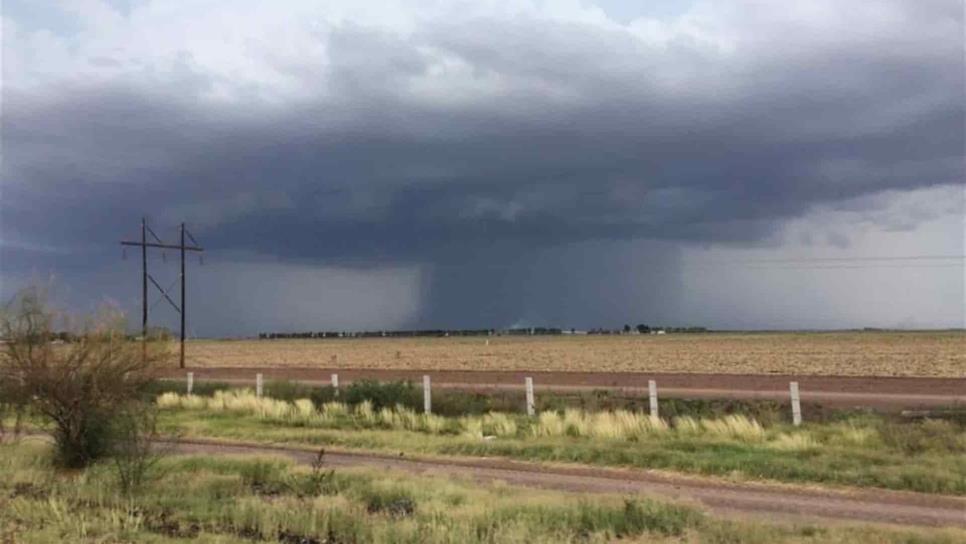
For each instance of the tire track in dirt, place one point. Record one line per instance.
(743, 499)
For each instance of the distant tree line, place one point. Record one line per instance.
(67, 337)
(525, 331)
(376, 334)
(645, 329)
(410, 333)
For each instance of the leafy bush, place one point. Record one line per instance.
(457, 403)
(320, 396)
(383, 395)
(287, 390)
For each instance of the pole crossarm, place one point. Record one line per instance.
(163, 246)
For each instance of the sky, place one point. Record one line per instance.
(401, 164)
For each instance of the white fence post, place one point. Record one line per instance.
(531, 409)
(191, 382)
(335, 384)
(427, 396)
(652, 393)
(796, 404)
(258, 384)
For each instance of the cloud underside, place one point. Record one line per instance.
(466, 141)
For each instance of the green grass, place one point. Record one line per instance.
(927, 456)
(263, 499)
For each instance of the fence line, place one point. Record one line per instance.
(792, 394)
(531, 407)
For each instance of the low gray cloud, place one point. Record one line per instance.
(517, 155)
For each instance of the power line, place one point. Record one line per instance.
(832, 263)
(847, 267)
(869, 262)
(846, 259)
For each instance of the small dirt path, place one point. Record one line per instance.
(758, 500)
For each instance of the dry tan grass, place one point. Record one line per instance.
(857, 354)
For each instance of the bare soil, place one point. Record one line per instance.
(844, 353)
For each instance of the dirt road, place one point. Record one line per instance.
(839, 391)
(761, 500)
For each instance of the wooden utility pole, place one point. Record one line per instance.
(144, 288)
(182, 312)
(145, 276)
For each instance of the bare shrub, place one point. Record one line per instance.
(321, 480)
(12, 408)
(76, 386)
(134, 448)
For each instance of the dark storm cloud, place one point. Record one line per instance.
(569, 133)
